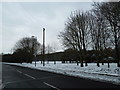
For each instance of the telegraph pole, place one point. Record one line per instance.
(43, 46)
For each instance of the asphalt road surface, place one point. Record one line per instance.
(20, 77)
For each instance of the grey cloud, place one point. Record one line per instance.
(27, 19)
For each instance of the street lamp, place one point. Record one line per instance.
(34, 41)
(43, 46)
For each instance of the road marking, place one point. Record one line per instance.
(51, 86)
(16, 81)
(19, 71)
(2, 86)
(29, 76)
(26, 75)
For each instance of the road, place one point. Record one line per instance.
(20, 77)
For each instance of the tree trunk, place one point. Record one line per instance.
(77, 62)
(116, 48)
(98, 63)
(117, 57)
(102, 62)
(86, 64)
(48, 62)
(108, 64)
(82, 63)
(54, 62)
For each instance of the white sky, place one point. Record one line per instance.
(21, 18)
(28, 18)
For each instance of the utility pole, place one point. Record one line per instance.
(34, 40)
(43, 46)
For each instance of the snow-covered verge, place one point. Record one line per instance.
(102, 73)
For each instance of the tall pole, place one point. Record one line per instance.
(35, 54)
(43, 46)
(34, 40)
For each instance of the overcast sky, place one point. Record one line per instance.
(27, 19)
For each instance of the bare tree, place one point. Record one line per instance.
(100, 34)
(111, 12)
(76, 34)
(54, 49)
(27, 45)
(49, 49)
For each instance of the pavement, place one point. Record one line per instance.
(21, 77)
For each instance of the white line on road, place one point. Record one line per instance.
(26, 75)
(51, 86)
(1, 85)
(29, 76)
(19, 71)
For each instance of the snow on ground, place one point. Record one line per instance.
(102, 73)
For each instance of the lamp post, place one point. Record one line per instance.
(43, 46)
(34, 40)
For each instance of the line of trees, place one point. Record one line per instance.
(28, 49)
(97, 29)
(68, 56)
